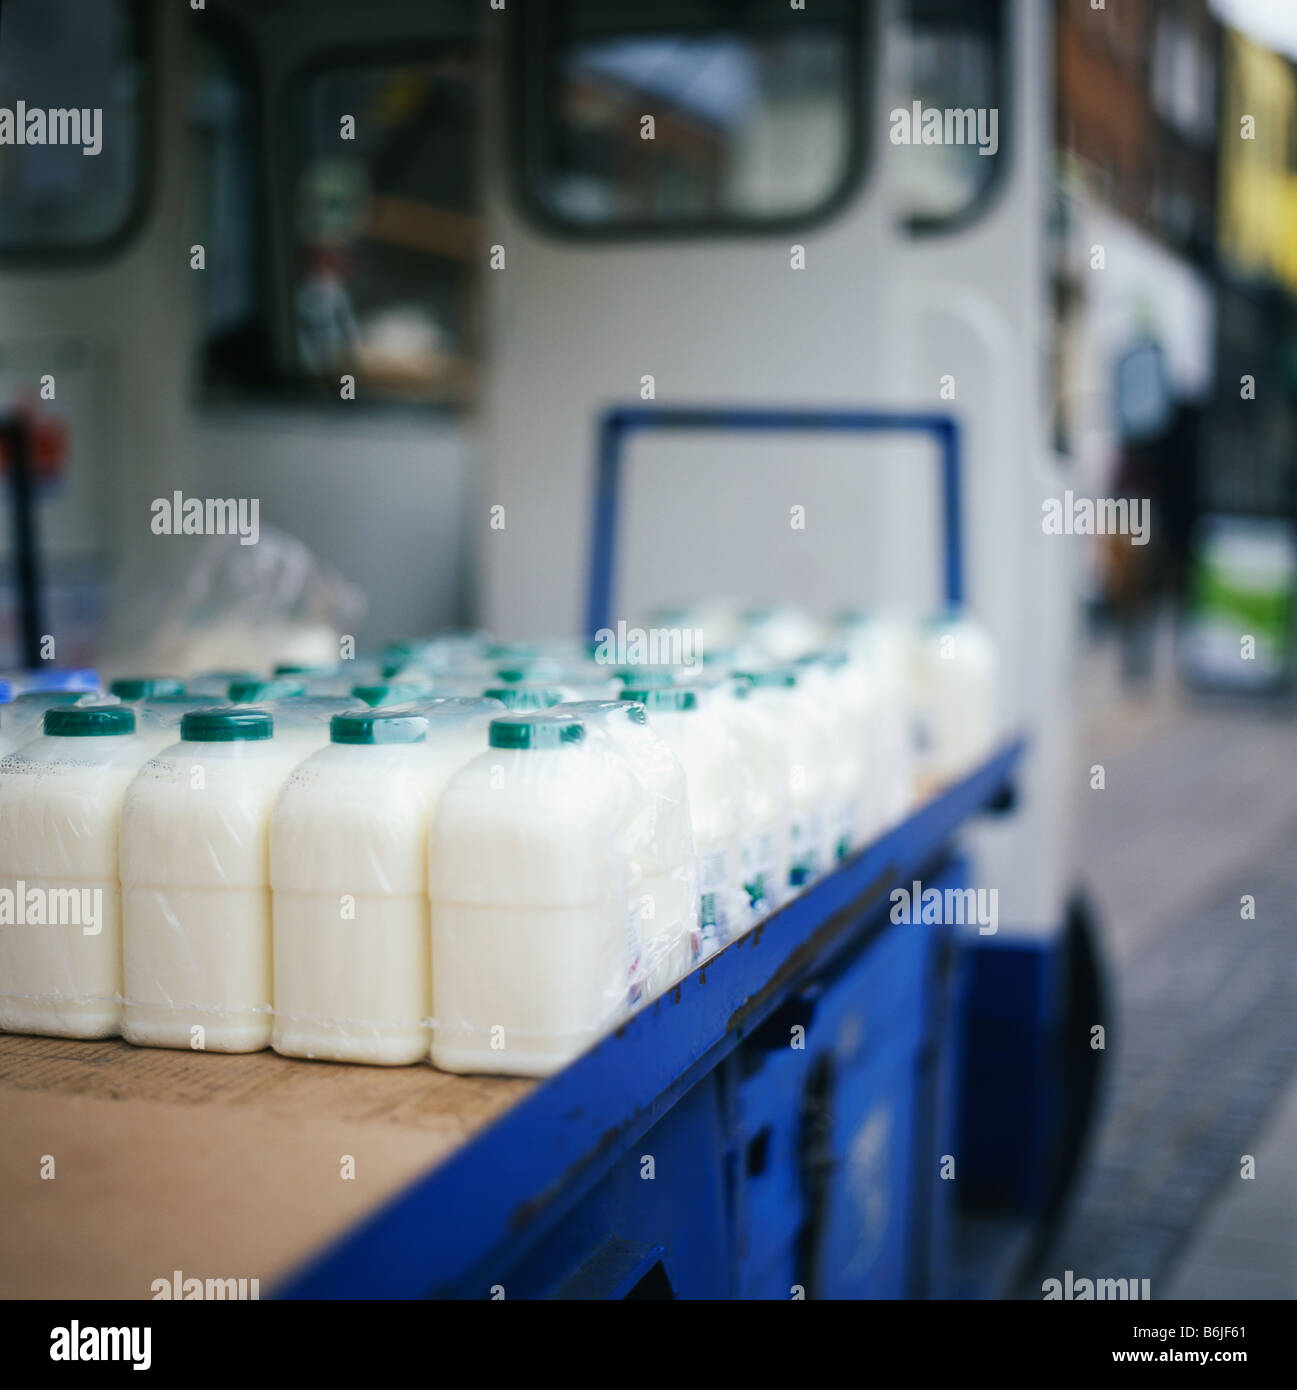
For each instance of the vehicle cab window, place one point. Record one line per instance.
(654, 118)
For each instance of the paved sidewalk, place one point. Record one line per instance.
(1200, 809)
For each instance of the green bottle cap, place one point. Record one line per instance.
(377, 726)
(88, 721)
(249, 692)
(226, 725)
(662, 697)
(146, 687)
(521, 731)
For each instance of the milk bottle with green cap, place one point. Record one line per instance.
(131, 688)
(195, 886)
(954, 696)
(828, 701)
(348, 866)
(350, 909)
(810, 790)
(715, 784)
(60, 937)
(763, 761)
(531, 942)
(657, 832)
(883, 649)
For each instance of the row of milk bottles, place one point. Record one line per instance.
(486, 863)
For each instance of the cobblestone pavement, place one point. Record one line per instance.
(1199, 811)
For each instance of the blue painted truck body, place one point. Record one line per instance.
(773, 1127)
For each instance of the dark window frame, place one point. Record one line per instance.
(144, 47)
(953, 15)
(225, 33)
(531, 92)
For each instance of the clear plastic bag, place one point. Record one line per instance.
(762, 755)
(691, 727)
(656, 835)
(216, 603)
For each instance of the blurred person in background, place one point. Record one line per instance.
(1157, 463)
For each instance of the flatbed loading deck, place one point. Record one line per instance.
(236, 1167)
(218, 1166)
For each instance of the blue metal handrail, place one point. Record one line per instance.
(620, 422)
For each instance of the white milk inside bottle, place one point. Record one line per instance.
(857, 694)
(884, 649)
(763, 759)
(954, 697)
(657, 831)
(348, 865)
(782, 631)
(699, 739)
(532, 943)
(777, 691)
(821, 681)
(196, 949)
(60, 807)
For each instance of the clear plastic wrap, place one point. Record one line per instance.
(655, 832)
(697, 736)
(783, 631)
(219, 602)
(524, 696)
(775, 690)
(348, 855)
(826, 700)
(336, 681)
(20, 719)
(589, 681)
(302, 721)
(953, 695)
(767, 816)
(884, 649)
(60, 901)
(532, 938)
(196, 927)
(216, 684)
(157, 720)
